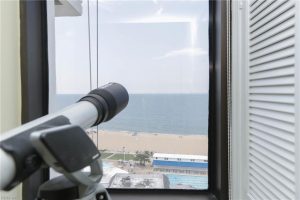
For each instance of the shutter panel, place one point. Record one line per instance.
(271, 100)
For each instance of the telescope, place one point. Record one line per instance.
(59, 141)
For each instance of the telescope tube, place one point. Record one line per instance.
(17, 155)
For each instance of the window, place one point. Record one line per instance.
(159, 52)
(218, 130)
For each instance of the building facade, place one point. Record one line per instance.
(180, 163)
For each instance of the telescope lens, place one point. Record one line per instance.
(109, 100)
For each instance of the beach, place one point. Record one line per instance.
(155, 142)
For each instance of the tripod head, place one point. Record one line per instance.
(68, 149)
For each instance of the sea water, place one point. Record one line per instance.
(183, 114)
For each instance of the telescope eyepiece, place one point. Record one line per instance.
(109, 100)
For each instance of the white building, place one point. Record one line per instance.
(180, 163)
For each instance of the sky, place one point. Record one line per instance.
(149, 46)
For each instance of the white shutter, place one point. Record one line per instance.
(271, 100)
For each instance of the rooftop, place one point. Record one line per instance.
(146, 181)
(181, 156)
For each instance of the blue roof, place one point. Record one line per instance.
(180, 164)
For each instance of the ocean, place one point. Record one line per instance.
(182, 114)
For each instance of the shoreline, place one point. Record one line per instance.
(153, 133)
(130, 142)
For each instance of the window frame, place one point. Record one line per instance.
(34, 76)
(34, 71)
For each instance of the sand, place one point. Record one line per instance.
(157, 143)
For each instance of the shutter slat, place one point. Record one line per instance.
(285, 174)
(253, 2)
(276, 124)
(277, 81)
(265, 10)
(276, 22)
(271, 16)
(252, 196)
(286, 99)
(274, 44)
(285, 34)
(261, 10)
(289, 24)
(276, 141)
(273, 148)
(276, 188)
(283, 135)
(272, 90)
(274, 157)
(275, 56)
(280, 116)
(260, 189)
(280, 107)
(263, 182)
(284, 71)
(281, 179)
(255, 6)
(286, 62)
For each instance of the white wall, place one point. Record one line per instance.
(10, 74)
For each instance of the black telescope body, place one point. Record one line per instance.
(109, 100)
(100, 105)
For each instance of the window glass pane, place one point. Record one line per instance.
(159, 51)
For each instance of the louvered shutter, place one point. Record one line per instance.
(272, 123)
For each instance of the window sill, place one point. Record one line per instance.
(160, 195)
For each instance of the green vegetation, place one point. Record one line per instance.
(143, 157)
(120, 156)
(105, 155)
